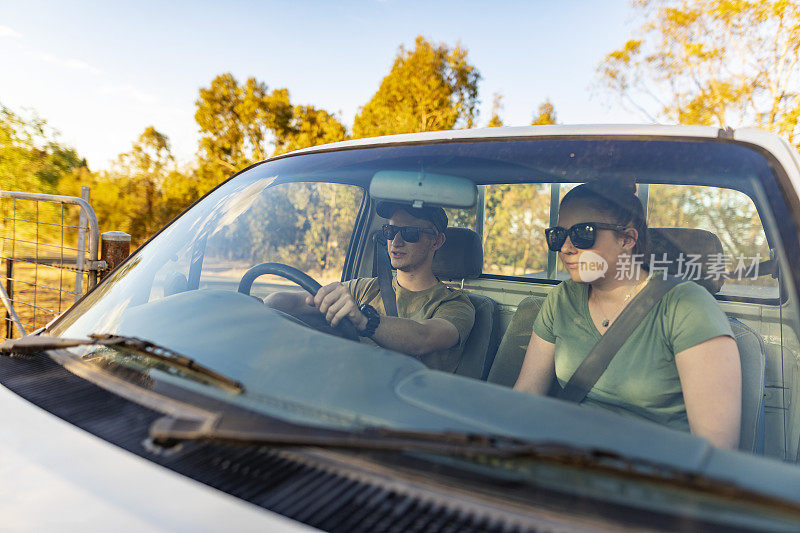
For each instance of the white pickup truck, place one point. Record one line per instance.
(170, 397)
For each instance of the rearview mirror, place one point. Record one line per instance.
(420, 188)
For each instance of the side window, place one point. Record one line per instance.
(515, 218)
(733, 218)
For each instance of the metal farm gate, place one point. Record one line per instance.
(49, 257)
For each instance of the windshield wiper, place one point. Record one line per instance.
(263, 430)
(271, 431)
(143, 348)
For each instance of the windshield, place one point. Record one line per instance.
(719, 202)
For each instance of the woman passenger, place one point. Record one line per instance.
(680, 366)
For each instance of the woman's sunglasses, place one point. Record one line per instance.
(581, 235)
(408, 233)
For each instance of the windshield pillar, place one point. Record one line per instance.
(552, 257)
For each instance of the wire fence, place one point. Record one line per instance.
(48, 257)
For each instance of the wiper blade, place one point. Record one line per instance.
(271, 431)
(262, 430)
(39, 343)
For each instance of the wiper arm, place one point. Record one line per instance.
(39, 343)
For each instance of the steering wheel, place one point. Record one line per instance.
(345, 328)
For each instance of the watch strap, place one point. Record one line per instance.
(373, 320)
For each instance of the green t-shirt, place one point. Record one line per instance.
(642, 379)
(440, 301)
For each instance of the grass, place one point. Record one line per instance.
(39, 294)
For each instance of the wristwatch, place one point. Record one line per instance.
(373, 319)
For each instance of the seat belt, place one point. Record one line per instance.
(384, 268)
(600, 356)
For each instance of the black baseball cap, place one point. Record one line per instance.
(435, 215)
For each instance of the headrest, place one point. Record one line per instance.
(686, 248)
(460, 257)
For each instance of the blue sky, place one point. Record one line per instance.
(100, 72)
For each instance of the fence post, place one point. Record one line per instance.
(14, 317)
(115, 246)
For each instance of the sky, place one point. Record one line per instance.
(100, 72)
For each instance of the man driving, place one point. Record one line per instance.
(433, 320)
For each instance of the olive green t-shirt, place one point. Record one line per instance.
(440, 301)
(642, 379)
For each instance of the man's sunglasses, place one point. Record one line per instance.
(408, 233)
(581, 235)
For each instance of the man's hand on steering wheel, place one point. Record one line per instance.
(335, 302)
(345, 328)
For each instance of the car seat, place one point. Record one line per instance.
(460, 258)
(752, 350)
(511, 352)
(672, 242)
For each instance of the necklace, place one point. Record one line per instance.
(606, 321)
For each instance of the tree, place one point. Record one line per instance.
(237, 125)
(180, 190)
(309, 126)
(497, 106)
(431, 87)
(138, 194)
(712, 62)
(243, 124)
(142, 172)
(31, 158)
(546, 114)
